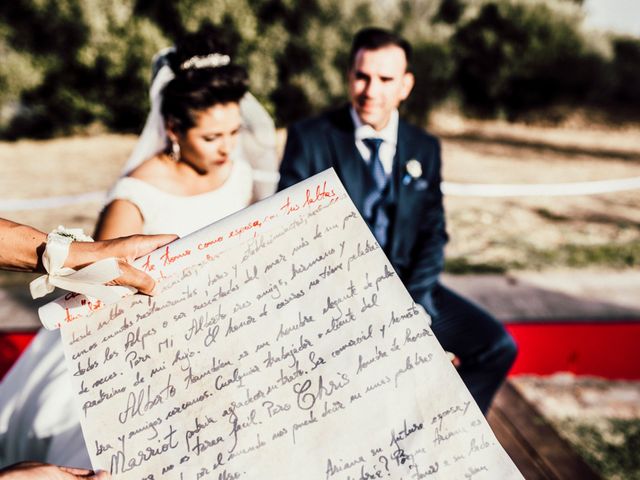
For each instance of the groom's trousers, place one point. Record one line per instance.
(485, 349)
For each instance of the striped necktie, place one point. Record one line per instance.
(374, 209)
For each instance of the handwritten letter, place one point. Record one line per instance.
(290, 350)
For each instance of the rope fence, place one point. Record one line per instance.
(448, 188)
(539, 189)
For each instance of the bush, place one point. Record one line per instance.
(625, 76)
(95, 63)
(93, 57)
(514, 57)
(434, 68)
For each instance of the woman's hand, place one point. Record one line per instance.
(126, 250)
(21, 246)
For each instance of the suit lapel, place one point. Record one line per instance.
(406, 198)
(346, 158)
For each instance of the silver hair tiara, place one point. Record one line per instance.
(212, 60)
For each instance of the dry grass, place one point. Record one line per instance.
(601, 231)
(538, 232)
(64, 166)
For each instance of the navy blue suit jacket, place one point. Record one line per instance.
(418, 235)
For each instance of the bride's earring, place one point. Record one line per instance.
(175, 151)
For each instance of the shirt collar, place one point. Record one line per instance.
(389, 133)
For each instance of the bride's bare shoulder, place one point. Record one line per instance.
(156, 166)
(158, 171)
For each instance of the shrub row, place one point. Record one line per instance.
(70, 65)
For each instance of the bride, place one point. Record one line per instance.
(188, 170)
(184, 174)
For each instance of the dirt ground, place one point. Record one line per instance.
(523, 232)
(65, 166)
(599, 231)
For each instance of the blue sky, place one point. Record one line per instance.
(621, 16)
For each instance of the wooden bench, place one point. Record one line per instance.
(533, 445)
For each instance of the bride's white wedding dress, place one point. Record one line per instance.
(38, 416)
(39, 419)
(167, 213)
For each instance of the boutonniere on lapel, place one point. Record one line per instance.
(413, 174)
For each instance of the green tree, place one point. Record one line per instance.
(514, 57)
(94, 58)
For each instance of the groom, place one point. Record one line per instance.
(392, 172)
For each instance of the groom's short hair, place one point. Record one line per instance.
(374, 38)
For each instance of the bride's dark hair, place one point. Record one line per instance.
(205, 75)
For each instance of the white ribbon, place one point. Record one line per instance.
(89, 280)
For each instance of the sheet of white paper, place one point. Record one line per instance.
(294, 352)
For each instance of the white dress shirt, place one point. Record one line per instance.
(389, 136)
